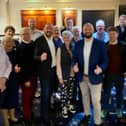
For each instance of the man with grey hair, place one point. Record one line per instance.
(76, 36)
(65, 74)
(100, 33)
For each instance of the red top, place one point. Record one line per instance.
(115, 65)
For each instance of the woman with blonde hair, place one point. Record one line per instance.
(12, 84)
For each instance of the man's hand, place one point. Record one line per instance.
(27, 84)
(17, 68)
(97, 70)
(75, 68)
(2, 83)
(43, 56)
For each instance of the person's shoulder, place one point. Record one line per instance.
(38, 31)
(80, 42)
(118, 27)
(94, 34)
(105, 32)
(40, 38)
(99, 42)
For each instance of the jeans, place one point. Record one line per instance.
(109, 82)
(47, 88)
(45, 98)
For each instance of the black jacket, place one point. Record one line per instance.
(122, 35)
(26, 60)
(43, 68)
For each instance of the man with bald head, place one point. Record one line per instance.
(45, 55)
(90, 61)
(35, 33)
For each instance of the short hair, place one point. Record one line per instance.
(111, 28)
(8, 39)
(48, 24)
(67, 33)
(67, 18)
(24, 29)
(56, 27)
(76, 27)
(100, 22)
(9, 27)
(89, 25)
(122, 15)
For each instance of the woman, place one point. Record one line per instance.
(10, 31)
(65, 74)
(12, 84)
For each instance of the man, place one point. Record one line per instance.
(77, 93)
(45, 55)
(35, 33)
(101, 34)
(76, 37)
(68, 22)
(57, 37)
(5, 69)
(122, 29)
(90, 61)
(114, 73)
(122, 35)
(28, 79)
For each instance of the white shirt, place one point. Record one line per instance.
(87, 51)
(5, 65)
(52, 50)
(35, 34)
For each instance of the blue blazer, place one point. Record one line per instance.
(98, 56)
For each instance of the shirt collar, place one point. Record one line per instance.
(91, 40)
(113, 43)
(48, 39)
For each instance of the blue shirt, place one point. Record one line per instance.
(104, 38)
(58, 42)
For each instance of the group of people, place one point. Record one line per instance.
(67, 58)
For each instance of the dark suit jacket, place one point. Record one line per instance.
(122, 35)
(26, 60)
(43, 68)
(98, 56)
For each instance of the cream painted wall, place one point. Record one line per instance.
(3, 15)
(15, 6)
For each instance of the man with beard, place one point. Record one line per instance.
(45, 55)
(90, 61)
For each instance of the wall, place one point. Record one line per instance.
(15, 6)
